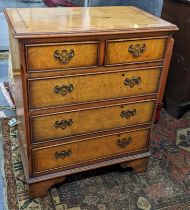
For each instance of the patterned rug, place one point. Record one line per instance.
(7, 106)
(166, 184)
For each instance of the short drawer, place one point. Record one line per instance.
(59, 91)
(120, 52)
(58, 126)
(62, 56)
(59, 156)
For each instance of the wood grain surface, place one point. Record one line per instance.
(42, 57)
(44, 158)
(19, 93)
(36, 22)
(90, 120)
(92, 87)
(117, 52)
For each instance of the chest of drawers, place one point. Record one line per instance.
(87, 82)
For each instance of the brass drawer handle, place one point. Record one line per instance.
(123, 143)
(137, 49)
(64, 56)
(133, 81)
(63, 124)
(63, 154)
(129, 113)
(63, 90)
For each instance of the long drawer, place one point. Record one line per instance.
(59, 91)
(133, 51)
(62, 56)
(60, 125)
(58, 156)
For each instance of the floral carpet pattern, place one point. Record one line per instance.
(166, 184)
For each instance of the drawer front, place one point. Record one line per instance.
(62, 125)
(62, 56)
(132, 51)
(78, 89)
(78, 152)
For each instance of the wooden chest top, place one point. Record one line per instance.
(43, 22)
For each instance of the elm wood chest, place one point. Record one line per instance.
(87, 82)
